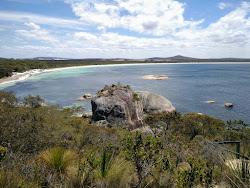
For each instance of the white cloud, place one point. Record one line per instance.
(223, 5)
(231, 30)
(22, 17)
(229, 36)
(84, 36)
(158, 17)
(32, 25)
(38, 34)
(98, 13)
(111, 45)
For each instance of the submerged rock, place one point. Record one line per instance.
(154, 103)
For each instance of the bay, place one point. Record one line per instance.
(189, 86)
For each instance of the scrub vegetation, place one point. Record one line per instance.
(48, 147)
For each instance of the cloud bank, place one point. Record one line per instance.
(131, 29)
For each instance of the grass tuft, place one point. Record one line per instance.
(59, 161)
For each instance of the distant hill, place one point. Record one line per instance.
(174, 58)
(180, 58)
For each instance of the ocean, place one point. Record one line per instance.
(189, 86)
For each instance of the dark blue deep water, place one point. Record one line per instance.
(190, 85)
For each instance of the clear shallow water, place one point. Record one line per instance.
(190, 85)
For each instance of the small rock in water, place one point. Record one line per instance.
(155, 77)
(228, 105)
(209, 101)
(81, 99)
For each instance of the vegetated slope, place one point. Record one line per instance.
(44, 146)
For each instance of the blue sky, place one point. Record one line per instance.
(124, 28)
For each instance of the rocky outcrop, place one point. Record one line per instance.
(117, 106)
(153, 103)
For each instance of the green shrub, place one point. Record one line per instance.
(3, 151)
(144, 153)
(136, 97)
(199, 173)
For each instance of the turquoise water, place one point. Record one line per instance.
(190, 85)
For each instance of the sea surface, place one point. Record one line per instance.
(189, 86)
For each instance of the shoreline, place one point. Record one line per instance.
(17, 77)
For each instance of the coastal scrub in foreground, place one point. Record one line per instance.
(180, 153)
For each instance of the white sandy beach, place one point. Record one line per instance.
(16, 77)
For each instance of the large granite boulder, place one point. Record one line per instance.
(117, 106)
(153, 103)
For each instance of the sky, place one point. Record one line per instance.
(124, 28)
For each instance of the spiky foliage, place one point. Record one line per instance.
(58, 162)
(237, 171)
(9, 179)
(114, 171)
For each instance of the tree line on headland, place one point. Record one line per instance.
(9, 66)
(44, 146)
